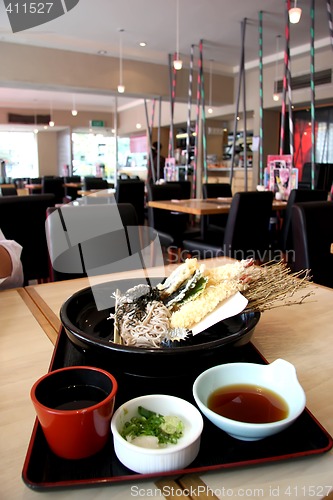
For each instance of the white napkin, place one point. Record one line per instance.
(229, 307)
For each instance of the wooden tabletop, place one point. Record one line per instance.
(33, 186)
(200, 206)
(301, 334)
(97, 192)
(75, 185)
(25, 356)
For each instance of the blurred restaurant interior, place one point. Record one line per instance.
(175, 130)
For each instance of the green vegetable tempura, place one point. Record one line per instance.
(151, 430)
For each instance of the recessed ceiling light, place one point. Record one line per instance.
(142, 44)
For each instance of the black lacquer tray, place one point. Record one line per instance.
(43, 470)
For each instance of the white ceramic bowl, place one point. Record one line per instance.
(279, 376)
(173, 457)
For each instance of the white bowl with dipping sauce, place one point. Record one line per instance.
(249, 391)
(173, 456)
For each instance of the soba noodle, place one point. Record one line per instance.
(149, 331)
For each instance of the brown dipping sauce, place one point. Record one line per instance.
(248, 403)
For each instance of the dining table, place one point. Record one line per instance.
(74, 185)
(201, 206)
(301, 333)
(98, 193)
(33, 187)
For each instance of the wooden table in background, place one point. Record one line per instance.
(74, 185)
(31, 187)
(200, 206)
(97, 193)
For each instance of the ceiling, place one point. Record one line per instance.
(94, 26)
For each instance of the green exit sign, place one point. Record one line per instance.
(97, 123)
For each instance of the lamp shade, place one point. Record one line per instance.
(295, 15)
(178, 64)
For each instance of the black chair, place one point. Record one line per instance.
(91, 240)
(8, 191)
(35, 180)
(71, 192)
(22, 218)
(312, 224)
(185, 188)
(54, 185)
(172, 227)
(133, 192)
(323, 176)
(247, 231)
(95, 183)
(296, 196)
(20, 181)
(211, 225)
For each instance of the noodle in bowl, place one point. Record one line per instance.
(92, 329)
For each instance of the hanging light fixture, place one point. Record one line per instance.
(121, 87)
(295, 13)
(74, 110)
(210, 109)
(276, 96)
(51, 122)
(177, 63)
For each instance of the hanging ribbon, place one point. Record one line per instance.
(152, 119)
(189, 106)
(290, 107)
(240, 78)
(203, 111)
(151, 171)
(172, 79)
(330, 23)
(197, 120)
(313, 99)
(285, 78)
(261, 101)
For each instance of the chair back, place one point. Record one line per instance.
(312, 226)
(71, 192)
(8, 191)
(22, 218)
(54, 185)
(215, 190)
(95, 183)
(297, 196)
(164, 221)
(92, 240)
(247, 230)
(35, 180)
(72, 178)
(185, 188)
(133, 192)
(323, 176)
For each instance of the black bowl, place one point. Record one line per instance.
(88, 328)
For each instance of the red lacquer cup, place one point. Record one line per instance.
(74, 406)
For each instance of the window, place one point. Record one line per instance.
(19, 151)
(93, 151)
